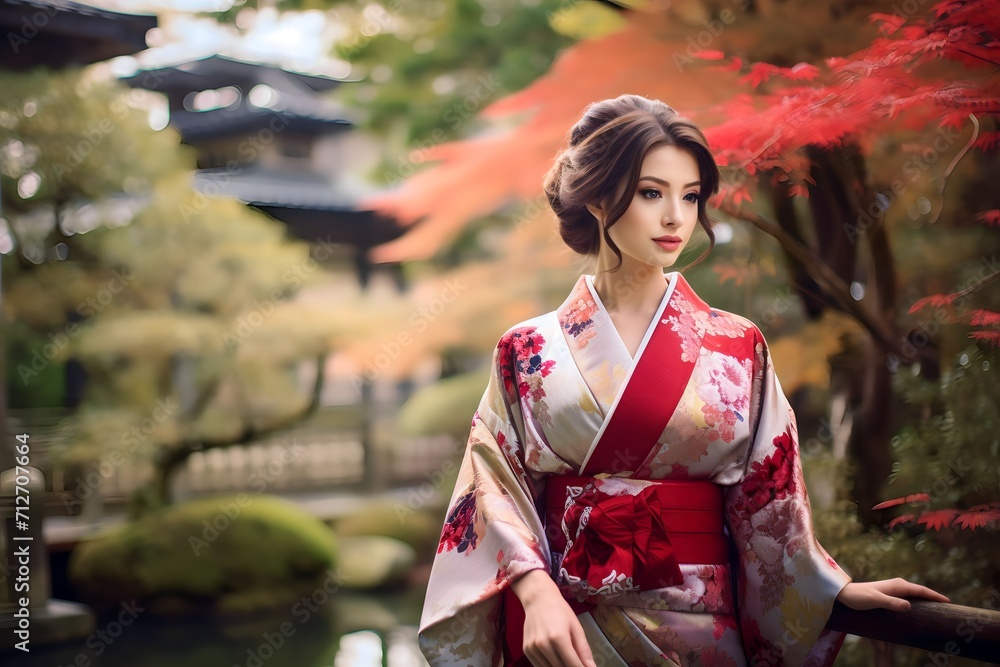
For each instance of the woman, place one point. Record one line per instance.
(631, 492)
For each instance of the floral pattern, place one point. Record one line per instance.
(459, 529)
(520, 358)
(770, 479)
(578, 318)
(691, 324)
(731, 425)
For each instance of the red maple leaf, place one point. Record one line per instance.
(984, 318)
(709, 54)
(987, 141)
(890, 23)
(972, 520)
(938, 300)
(990, 336)
(759, 73)
(937, 519)
(991, 217)
(912, 498)
(902, 518)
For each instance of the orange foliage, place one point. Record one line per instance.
(857, 98)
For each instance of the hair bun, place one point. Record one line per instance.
(577, 225)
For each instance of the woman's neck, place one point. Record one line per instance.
(633, 288)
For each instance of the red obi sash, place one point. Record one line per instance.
(618, 543)
(603, 545)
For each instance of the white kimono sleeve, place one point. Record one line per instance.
(492, 532)
(786, 581)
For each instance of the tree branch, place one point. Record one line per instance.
(824, 276)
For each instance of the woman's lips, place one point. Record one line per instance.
(668, 242)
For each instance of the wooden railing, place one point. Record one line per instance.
(945, 630)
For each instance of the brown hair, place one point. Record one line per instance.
(606, 147)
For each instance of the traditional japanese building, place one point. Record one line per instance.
(59, 33)
(265, 136)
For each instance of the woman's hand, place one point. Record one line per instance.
(553, 636)
(885, 594)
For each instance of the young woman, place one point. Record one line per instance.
(631, 492)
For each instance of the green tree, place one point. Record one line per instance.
(178, 305)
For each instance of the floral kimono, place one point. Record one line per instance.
(663, 494)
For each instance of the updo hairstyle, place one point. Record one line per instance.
(606, 148)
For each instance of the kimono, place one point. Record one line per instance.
(663, 494)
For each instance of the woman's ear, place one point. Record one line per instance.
(596, 211)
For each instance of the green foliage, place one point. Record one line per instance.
(178, 305)
(947, 448)
(83, 137)
(445, 61)
(44, 389)
(227, 554)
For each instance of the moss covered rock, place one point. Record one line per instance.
(238, 553)
(420, 528)
(373, 561)
(445, 407)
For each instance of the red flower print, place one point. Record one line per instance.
(760, 651)
(772, 478)
(459, 529)
(520, 355)
(713, 657)
(721, 623)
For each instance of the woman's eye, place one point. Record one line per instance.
(646, 193)
(691, 197)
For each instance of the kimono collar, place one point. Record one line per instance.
(582, 316)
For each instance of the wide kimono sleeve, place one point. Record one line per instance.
(786, 581)
(492, 532)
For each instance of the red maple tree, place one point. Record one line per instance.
(782, 129)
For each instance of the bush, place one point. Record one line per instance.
(239, 553)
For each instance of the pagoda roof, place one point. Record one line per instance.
(71, 34)
(198, 126)
(254, 185)
(309, 204)
(217, 70)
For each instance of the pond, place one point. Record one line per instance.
(351, 630)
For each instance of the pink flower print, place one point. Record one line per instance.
(578, 321)
(520, 355)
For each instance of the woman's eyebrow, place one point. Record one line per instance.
(663, 182)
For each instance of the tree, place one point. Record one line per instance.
(828, 134)
(178, 306)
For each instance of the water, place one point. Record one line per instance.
(371, 630)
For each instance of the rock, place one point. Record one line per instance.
(420, 528)
(373, 561)
(238, 553)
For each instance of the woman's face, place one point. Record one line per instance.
(663, 214)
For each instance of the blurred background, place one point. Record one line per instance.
(256, 256)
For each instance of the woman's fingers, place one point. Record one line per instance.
(891, 602)
(567, 654)
(557, 653)
(902, 588)
(581, 646)
(537, 658)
